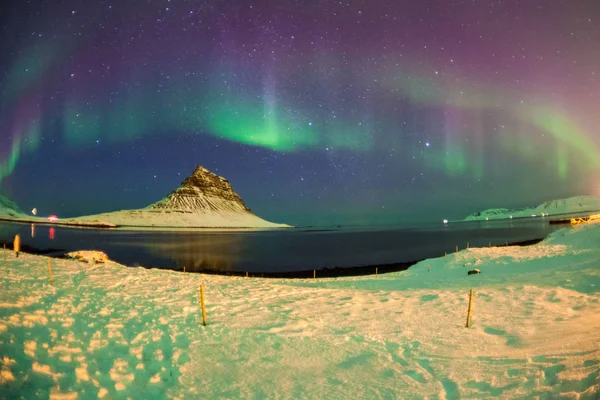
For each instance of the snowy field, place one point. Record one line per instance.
(104, 330)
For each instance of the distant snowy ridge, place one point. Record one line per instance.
(9, 207)
(570, 205)
(10, 211)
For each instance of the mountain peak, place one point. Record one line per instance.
(203, 191)
(200, 170)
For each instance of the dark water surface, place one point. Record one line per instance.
(282, 250)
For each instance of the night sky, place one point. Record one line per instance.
(318, 112)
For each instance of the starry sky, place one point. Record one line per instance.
(318, 112)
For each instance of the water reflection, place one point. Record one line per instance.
(32, 230)
(198, 252)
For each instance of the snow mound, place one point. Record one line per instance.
(88, 256)
(569, 205)
(510, 253)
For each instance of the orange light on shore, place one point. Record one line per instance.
(584, 220)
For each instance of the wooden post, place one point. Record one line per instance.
(314, 274)
(49, 270)
(202, 305)
(467, 245)
(376, 271)
(246, 275)
(17, 244)
(457, 248)
(470, 308)
(184, 268)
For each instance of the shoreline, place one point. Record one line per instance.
(108, 226)
(326, 272)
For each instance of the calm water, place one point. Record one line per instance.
(279, 250)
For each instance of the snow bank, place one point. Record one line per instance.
(89, 256)
(114, 332)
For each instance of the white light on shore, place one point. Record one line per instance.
(445, 221)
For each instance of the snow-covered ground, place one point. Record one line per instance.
(115, 332)
(571, 205)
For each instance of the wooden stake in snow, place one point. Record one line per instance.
(17, 244)
(470, 308)
(202, 305)
(50, 271)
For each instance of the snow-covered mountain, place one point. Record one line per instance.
(203, 191)
(570, 205)
(204, 200)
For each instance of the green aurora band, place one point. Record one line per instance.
(270, 120)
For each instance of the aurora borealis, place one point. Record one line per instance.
(316, 111)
